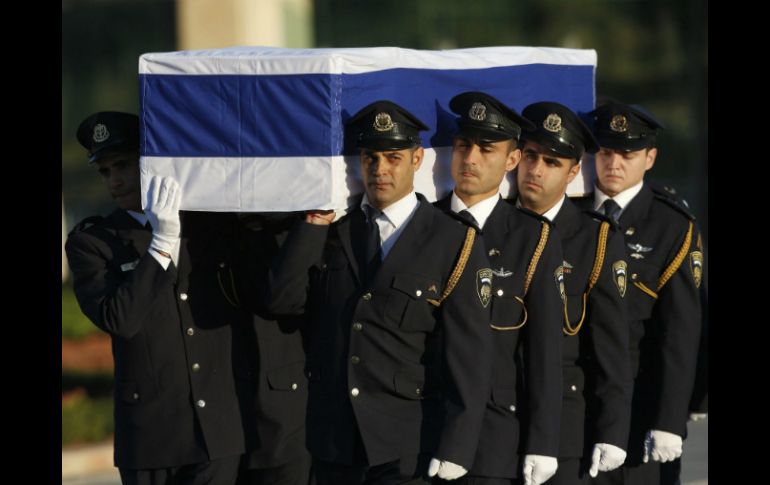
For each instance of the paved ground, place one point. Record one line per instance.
(86, 466)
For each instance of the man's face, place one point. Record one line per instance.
(478, 167)
(543, 177)
(120, 173)
(617, 171)
(389, 175)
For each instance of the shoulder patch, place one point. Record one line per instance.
(86, 223)
(676, 206)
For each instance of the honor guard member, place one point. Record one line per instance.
(596, 402)
(153, 287)
(525, 256)
(399, 296)
(272, 383)
(665, 261)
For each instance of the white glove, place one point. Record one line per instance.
(695, 417)
(606, 457)
(539, 468)
(445, 469)
(163, 197)
(662, 446)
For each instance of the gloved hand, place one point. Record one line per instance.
(695, 417)
(606, 457)
(662, 446)
(445, 469)
(539, 468)
(163, 197)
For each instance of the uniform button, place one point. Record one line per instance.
(201, 403)
(136, 396)
(309, 373)
(294, 386)
(354, 392)
(196, 367)
(499, 292)
(573, 387)
(221, 265)
(367, 296)
(190, 331)
(633, 276)
(183, 296)
(512, 408)
(418, 292)
(357, 327)
(355, 359)
(418, 391)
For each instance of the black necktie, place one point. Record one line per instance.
(465, 214)
(611, 209)
(373, 249)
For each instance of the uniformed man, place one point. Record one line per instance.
(274, 385)
(399, 296)
(665, 262)
(177, 415)
(596, 403)
(525, 256)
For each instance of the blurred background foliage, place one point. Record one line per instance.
(651, 52)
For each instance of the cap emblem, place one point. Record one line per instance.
(552, 123)
(100, 133)
(619, 124)
(382, 122)
(477, 112)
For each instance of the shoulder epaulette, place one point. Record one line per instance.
(86, 223)
(675, 205)
(458, 217)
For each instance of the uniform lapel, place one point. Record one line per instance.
(352, 229)
(567, 221)
(410, 242)
(130, 231)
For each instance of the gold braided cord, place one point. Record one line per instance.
(518, 325)
(465, 253)
(644, 288)
(601, 251)
(677, 262)
(536, 257)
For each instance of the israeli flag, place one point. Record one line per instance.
(250, 129)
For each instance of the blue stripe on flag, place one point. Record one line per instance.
(302, 115)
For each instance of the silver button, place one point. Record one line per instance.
(293, 386)
(183, 296)
(221, 265)
(310, 373)
(354, 392)
(499, 292)
(573, 387)
(196, 367)
(418, 391)
(512, 408)
(357, 327)
(355, 359)
(633, 276)
(367, 296)
(136, 395)
(418, 292)
(190, 332)
(201, 403)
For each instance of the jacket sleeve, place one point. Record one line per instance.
(289, 276)
(468, 361)
(118, 302)
(608, 332)
(678, 316)
(542, 351)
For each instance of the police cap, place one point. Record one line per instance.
(625, 127)
(108, 131)
(384, 125)
(560, 130)
(483, 117)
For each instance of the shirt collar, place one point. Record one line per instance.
(480, 210)
(551, 213)
(623, 198)
(398, 212)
